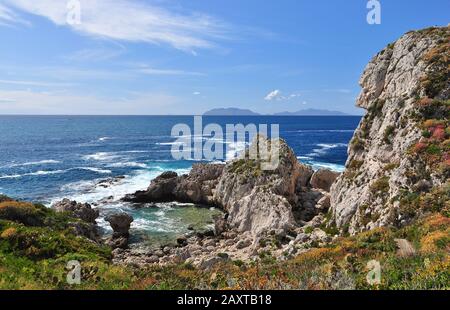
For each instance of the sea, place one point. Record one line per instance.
(99, 159)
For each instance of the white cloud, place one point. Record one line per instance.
(273, 95)
(196, 93)
(278, 96)
(132, 21)
(33, 102)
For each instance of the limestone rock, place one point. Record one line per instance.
(396, 84)
(323, 179)
(82, 211)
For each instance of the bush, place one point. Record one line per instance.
(381, 185)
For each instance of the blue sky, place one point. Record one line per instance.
(188, 56)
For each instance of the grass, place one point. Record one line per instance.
(35, 257)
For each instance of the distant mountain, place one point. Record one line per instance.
(230, 112)
(246, 112)
(312, 112)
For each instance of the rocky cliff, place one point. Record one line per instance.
(399, 160)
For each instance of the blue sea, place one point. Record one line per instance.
(47, 158)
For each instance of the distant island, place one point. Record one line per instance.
(246, 112)
(230, 112)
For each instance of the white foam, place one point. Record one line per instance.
(37, 173)
(140, 180)
(325, 147)
(97, 170)
(304, 157)
(128, 164)
(319, 165)
(101, 156)
(104, 139)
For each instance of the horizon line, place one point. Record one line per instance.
(346, 115)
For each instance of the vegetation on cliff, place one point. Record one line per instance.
(33, 256)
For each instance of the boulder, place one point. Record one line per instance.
(82, 211)
(120, 223)
(323, 179)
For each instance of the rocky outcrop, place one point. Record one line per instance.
(323, 179)
(120, 223)
(87, 226)
(196, 187)
(83, 211)
(255, 200)
(259, 201)
(399, 152)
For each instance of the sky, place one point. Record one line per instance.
(184, 57)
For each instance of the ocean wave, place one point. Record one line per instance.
(33, 163)
(304, 157)
(324, 148)
(130, 164)
(316, 165)
(139, 180)
(37, 173)
(43, 172)
(102, 139)
(102, 156)
(92, 169)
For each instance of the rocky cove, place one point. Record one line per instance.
(254, 213)
(390, 203)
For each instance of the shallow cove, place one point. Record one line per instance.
(160, 224)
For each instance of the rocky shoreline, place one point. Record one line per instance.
(265, 213)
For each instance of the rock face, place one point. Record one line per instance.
(255, 200)
(258, 201)
(323, 179)
(399, 149)
(82, 211)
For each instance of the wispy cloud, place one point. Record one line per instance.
(153, 71)
(33, 102)
(35, 83)
(9, 17)
(132, 21)
(95, 54)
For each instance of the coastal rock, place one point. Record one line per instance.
(404, 90)
(120, 223)
(323, 179)
(196, 187)
(258, 200)
(82, 211)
